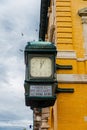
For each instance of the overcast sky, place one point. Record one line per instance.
(19, 23)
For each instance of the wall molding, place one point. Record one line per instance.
(70, 55)
(83, 12)
(66, 54)
(72, 78)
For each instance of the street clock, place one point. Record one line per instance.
(40, 78)
(40, 61)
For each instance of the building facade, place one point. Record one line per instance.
(64, 22)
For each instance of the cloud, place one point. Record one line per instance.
(16, 17)
(15, 123)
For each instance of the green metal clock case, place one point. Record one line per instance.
(40, 49)
(40, 101)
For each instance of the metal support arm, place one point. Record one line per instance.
(66, 67)
(65, 90)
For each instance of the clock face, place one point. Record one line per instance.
(41, 67)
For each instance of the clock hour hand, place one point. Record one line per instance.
(41, 64)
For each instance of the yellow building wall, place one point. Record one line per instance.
(70, 109)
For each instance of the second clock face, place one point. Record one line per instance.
(41, 67)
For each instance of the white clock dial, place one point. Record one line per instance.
(41, 67)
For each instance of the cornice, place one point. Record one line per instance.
(72, 78)
(70, 55)
(66, 54)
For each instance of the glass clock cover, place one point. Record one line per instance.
(40, 67)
